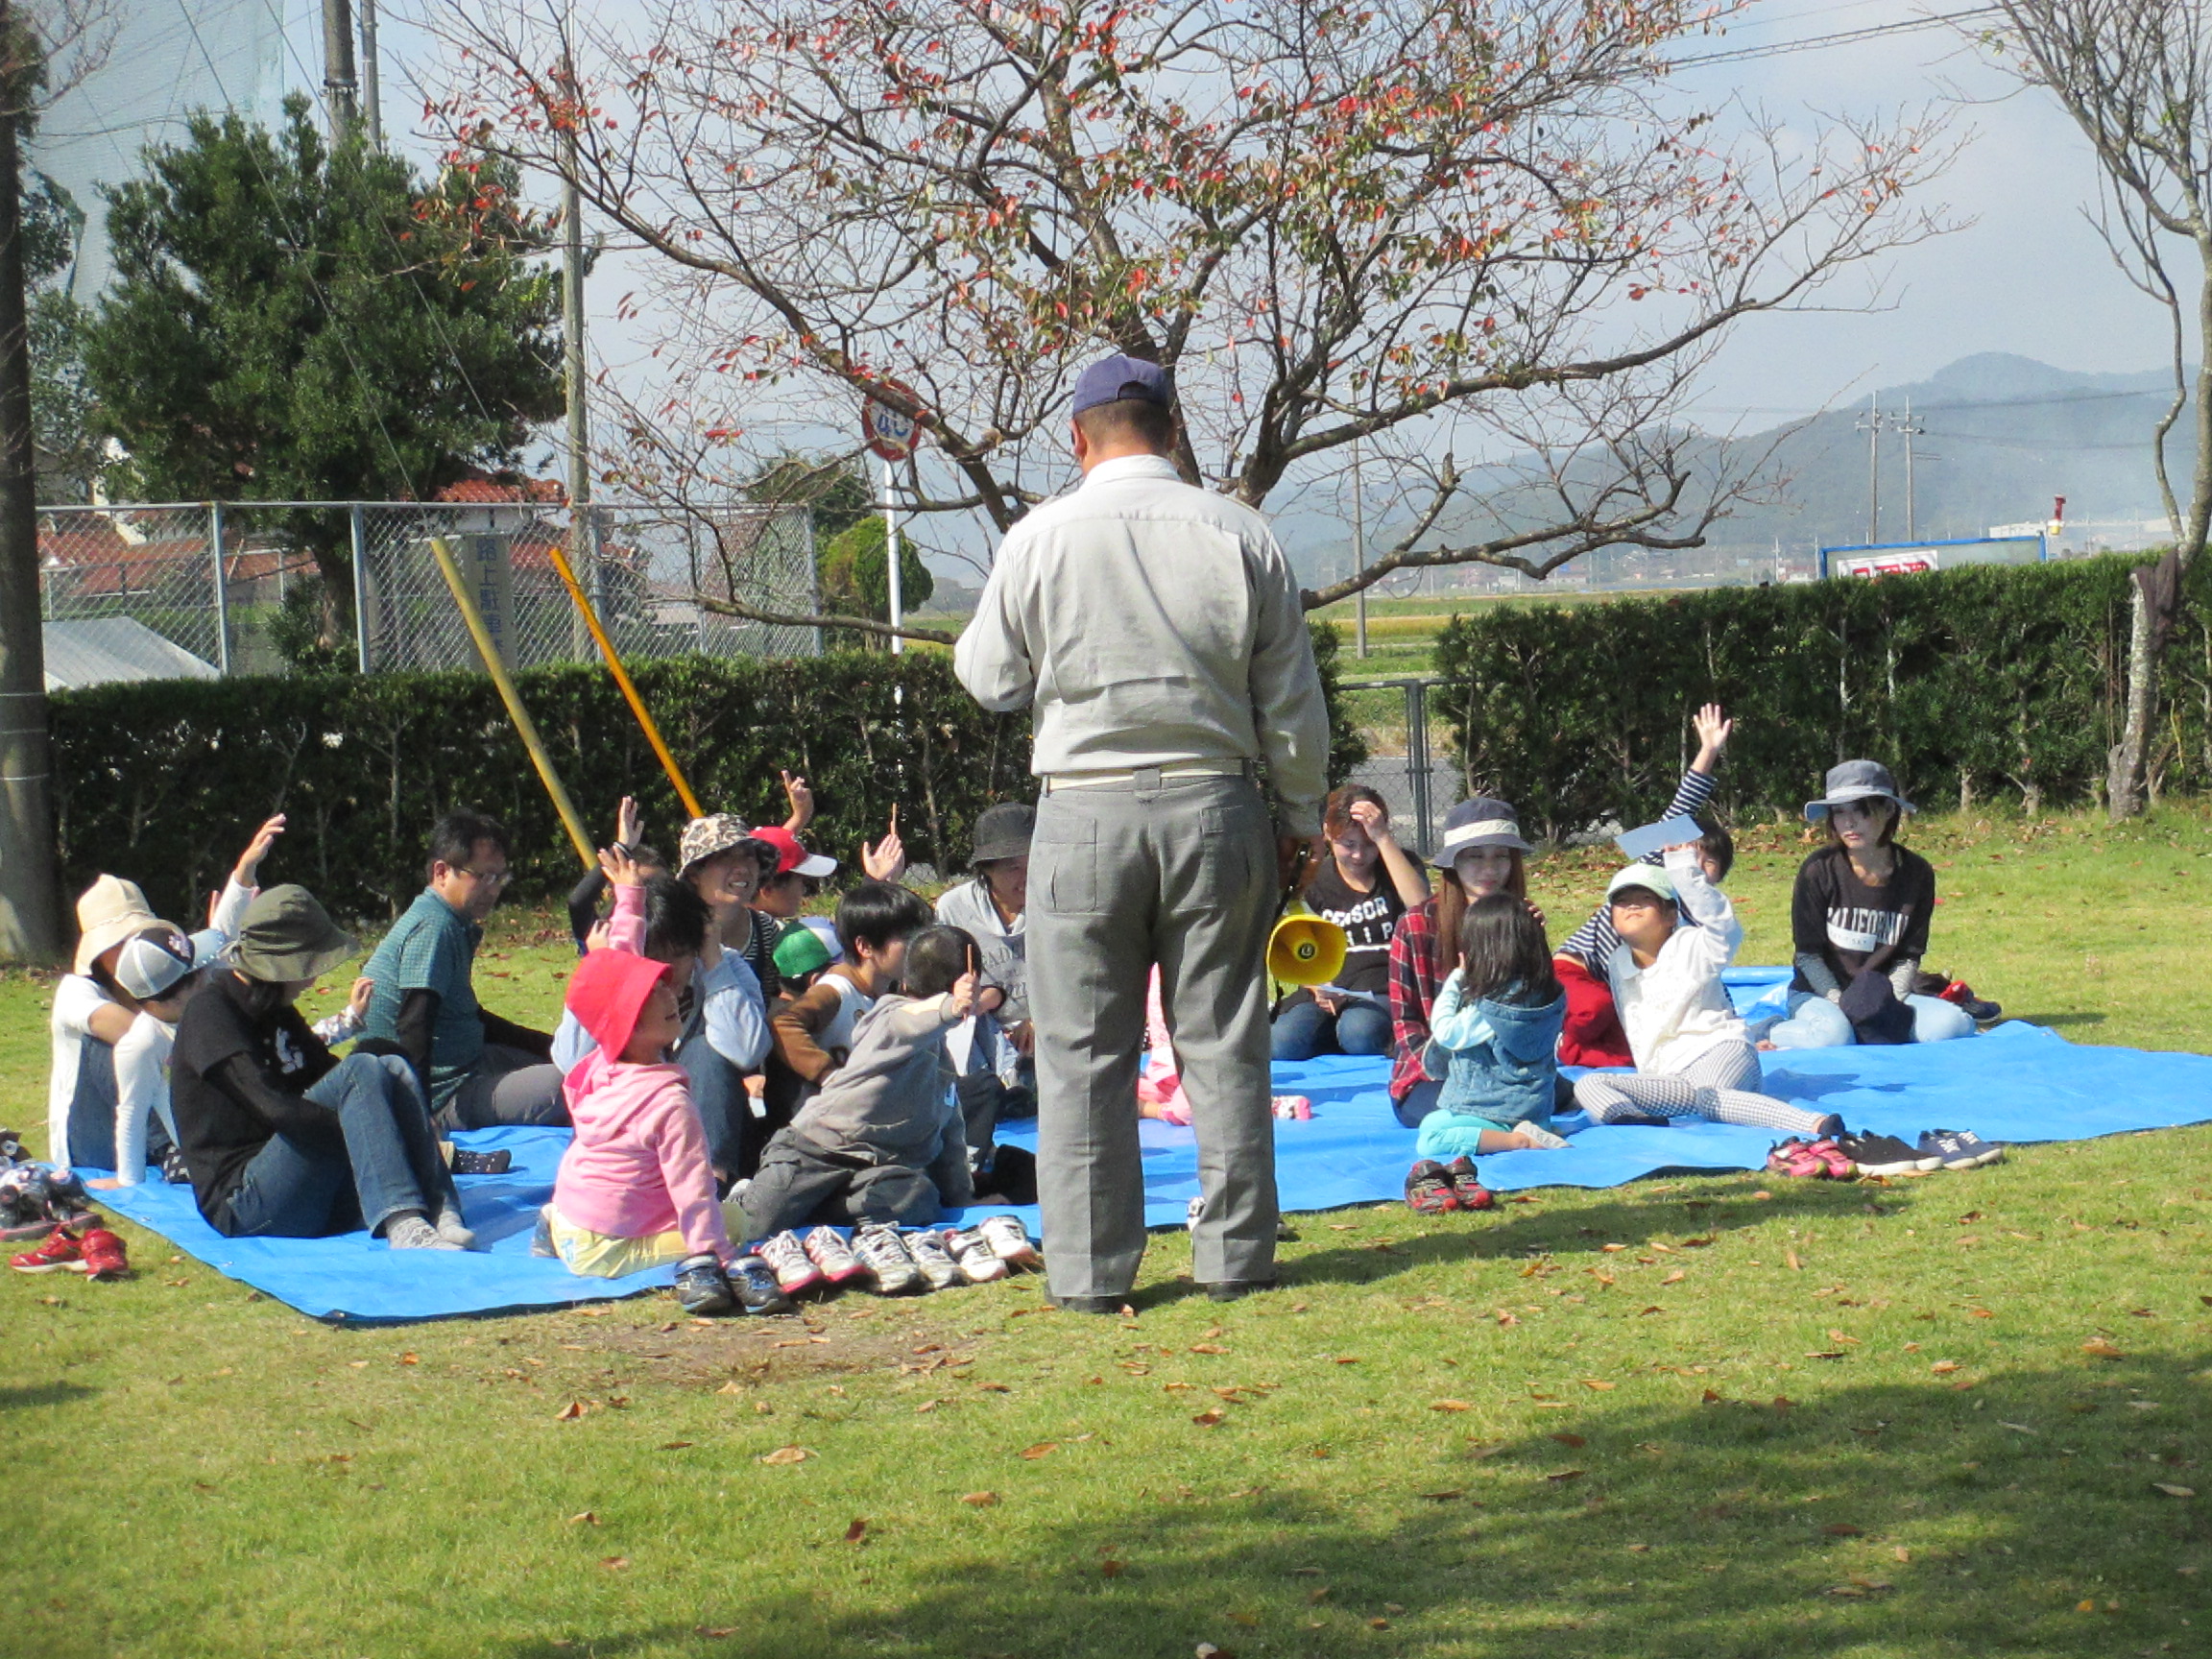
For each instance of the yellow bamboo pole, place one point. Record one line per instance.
(623, 681)
(524, 729)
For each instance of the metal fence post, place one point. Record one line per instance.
(357, 523)
(222, 590)
(1417, 760)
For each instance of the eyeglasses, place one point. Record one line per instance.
(489, 878)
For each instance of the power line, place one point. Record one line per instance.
(1820, 42)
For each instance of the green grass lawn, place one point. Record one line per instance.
(1963, 1414)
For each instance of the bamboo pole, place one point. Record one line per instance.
(525, 728)
(622, 680)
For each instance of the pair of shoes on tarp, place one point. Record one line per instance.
(1870, 1154)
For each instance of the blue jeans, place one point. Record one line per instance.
(1305, 1029)
(1420, 1100)
(734, 1137)
(390, 1162)
(1815, 1023)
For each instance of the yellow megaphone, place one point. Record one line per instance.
(1306, 951)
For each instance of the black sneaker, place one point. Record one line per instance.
(1237, 1289)
(701, 1288)
(1884, 1155)
(467, 1163)
(753, 1283)
(1106, 1305)
(1961, 1149)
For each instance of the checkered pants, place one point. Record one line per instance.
(1719, 1085)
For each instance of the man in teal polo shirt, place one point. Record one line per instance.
(478, 1069)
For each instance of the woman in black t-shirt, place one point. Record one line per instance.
(1365, 886)
(1862, 904)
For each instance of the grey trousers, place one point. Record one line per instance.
(1122, 878)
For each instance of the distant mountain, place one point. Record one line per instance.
(2004, 435)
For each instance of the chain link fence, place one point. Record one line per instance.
(200, 590)
(1410, 760)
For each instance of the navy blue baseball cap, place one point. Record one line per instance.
(1112, 380)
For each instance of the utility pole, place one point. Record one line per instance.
(30, 878)
(1910, 430)
(372, 102)
(1871, 423)
(573, 325)
(1359, 546)
(340, 88)
(896, 594)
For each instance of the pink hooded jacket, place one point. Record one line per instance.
(637, 1164)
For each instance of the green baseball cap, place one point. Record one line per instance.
(799, 953)
(1650, 878)
(287, 935)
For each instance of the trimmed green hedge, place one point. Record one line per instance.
(163, 781)
(1977, 684)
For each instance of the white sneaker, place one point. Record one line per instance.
(935, 1261)
(1010, 1239)
(977, 1261)
(829, 1251)
(887, 1260)
(1543, 1138)
(787, 1260)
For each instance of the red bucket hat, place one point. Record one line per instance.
(608, 993)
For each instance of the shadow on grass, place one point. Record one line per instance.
(2059, 1021)
(1514, 1231)
(24, 1399)
(1934, 1517)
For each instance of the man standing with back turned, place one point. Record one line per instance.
(1157, 628)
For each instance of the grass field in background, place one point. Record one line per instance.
(1684, 1419)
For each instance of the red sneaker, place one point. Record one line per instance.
(1428, 1190)
(1469, 1190)
(105, 1257)
(61, 1250)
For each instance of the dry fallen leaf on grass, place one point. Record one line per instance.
(979, 1499)
(570, 1412)
(586, 1519)
(1043, 1448)
(2173, 1491)
(1207, 1418)
(2097, 1348)
(614, 1563)
(1600, 1387)
(1675, 1278)
(1791, 1261)
(1208, 1348)
(1944, 1368)
(1564, 1476)
(856, 1532)
(785, 1455)
(1570, 1439)
(1450, 1406)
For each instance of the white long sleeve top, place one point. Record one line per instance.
(1677, 1009)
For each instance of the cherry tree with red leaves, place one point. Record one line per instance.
(1441, 228)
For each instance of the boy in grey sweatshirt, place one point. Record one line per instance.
(882, 1141)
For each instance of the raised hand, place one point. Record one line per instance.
(1714, 727)
(629, 825)
(802, 801)
(248, 872)
(961, 999)
(619, 868)
(886, 860)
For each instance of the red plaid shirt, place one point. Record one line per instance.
(1413, 987)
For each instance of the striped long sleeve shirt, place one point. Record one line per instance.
(1594, 941)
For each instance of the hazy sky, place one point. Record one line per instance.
(2027, 275)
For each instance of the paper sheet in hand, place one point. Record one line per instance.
(1651, 837)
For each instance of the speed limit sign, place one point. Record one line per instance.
(889, 432)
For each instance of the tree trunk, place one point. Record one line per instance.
(29, 876)
(2124, 775)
